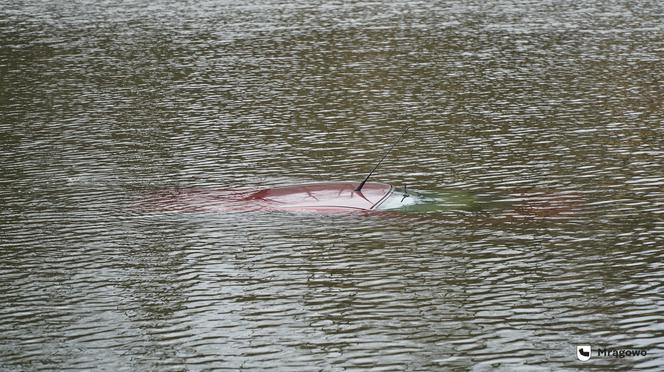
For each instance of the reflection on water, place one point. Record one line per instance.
(548, 114)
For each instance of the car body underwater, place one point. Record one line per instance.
(346, 196)
(321, 197)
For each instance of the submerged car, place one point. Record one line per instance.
(322, 197)
(345, 196)
(332, 196)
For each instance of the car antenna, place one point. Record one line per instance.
(361, 185)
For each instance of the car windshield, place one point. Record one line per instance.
(417, 201)
(399, 199)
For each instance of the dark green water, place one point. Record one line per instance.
(550, 113)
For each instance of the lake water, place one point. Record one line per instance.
(549, 114)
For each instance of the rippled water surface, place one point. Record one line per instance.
(546, 116)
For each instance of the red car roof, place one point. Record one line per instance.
(325, 195)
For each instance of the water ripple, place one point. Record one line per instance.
(547, 116)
